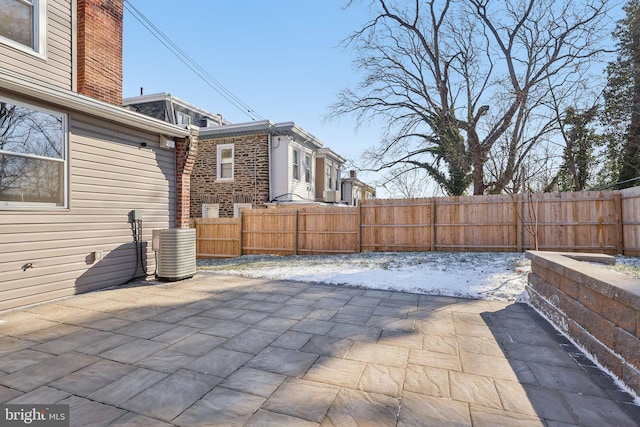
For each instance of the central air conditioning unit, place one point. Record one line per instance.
(176, 252)
(330, 196)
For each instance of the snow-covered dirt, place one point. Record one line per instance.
(491, 275)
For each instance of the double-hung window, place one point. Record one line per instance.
(225, 162)
(296, 165)
(33, 156)
(307, 168)
(23, 24)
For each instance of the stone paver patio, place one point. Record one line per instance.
(217, 350)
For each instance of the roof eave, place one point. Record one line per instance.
(262, 126)
(74, 101)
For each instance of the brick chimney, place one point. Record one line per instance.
(100, 49)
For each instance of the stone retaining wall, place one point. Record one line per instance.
(598, 308)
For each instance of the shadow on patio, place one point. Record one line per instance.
(228, 350)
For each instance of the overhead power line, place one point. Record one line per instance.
(202, 73)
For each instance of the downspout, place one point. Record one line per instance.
(269, 162)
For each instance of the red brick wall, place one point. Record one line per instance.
(251, 174)
(100, 49)
(186, 155)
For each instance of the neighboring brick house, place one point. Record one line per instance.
(328, 175)
(73, 162)
(354, 190)
(252, 165)
(168, 108)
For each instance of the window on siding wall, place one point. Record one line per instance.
(330, 176)
(22, 24)
(33, 156)
(307, 168)
(225, 161)
(296, 164)
(337, 180)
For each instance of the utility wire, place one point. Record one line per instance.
(191, 63)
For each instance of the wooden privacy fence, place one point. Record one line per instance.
(602, 221)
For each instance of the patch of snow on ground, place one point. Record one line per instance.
(489, 275)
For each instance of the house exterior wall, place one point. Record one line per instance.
(299, 189)
(348, 195)
(110, 174)
(280, 167)
(250, 178)
(321, 178)
(56, 67)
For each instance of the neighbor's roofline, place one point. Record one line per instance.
(41, 91)
(330, 153)
(166, 96)
(261, 127)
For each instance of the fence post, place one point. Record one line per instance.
(617, 206)
(519, 217)
(240, 221)
(359, 225)
(433, 224)
(295, 249)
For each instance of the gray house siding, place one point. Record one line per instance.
(110, 174)
(156, 109)
(56, 68)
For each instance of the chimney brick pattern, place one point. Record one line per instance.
(186, 153)
(99, 55)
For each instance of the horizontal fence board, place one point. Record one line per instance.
(595, 221)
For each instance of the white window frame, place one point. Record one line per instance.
(39, 47)
(65, 160)
(237, 207)
(207, 206)
(307, 167)
(219, 162)
(182, 119)
(330, 175)
(295, 163)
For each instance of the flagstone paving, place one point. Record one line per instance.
(220, 350)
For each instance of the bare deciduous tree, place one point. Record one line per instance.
(454, 80)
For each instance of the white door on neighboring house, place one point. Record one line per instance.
(210, 210)
(237, 207)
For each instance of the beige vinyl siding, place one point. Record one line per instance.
(56, 68)
(110, 175)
